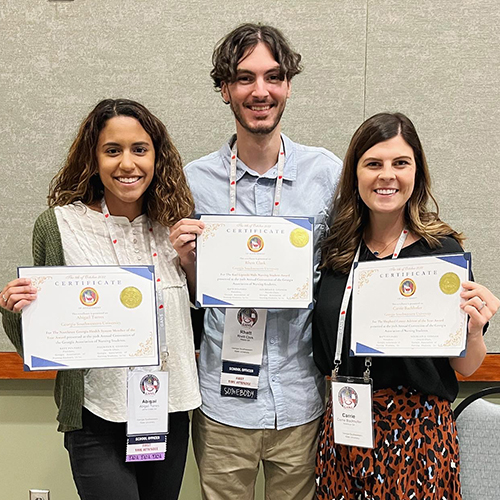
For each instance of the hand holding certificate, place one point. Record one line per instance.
(410, 307)
(260, 262)
(90, 317)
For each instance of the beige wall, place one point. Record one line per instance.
(36, 457)
(436, 60)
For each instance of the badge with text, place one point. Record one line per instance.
(147, 411)
(352, 412)
(243, 343)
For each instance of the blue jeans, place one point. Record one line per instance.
(97, 456)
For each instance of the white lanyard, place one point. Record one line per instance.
(279, 180)
(156, 263)
(345, 303)
(246, 385)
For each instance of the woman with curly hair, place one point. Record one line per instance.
(381, 212)
(120, 190)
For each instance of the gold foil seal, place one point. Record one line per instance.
(131, 297)
(449, 283)
(299, 237)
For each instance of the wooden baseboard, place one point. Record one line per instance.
(489, 371)
(11, 367)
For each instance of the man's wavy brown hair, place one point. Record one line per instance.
(351, 215)
(229, 51)
(167, 199)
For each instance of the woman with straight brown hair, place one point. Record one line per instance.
(381, 212)
(120, 190)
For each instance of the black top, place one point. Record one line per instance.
(432, 376)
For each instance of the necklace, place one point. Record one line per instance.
(378, 252)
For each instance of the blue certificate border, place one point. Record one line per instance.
(305, 222)
(463, 260)
(144, 271)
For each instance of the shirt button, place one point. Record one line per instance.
(136, 250)
(272, 341)
(135, 240)
(273, 379)
(139, 257)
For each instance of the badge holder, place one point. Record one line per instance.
(242, 348)
(352, 410)
(147, 405)
(147, 413)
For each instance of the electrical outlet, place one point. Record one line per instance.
(39, 495)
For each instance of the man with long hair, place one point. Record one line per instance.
(253, 67)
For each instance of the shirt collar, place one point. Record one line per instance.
(290, 167)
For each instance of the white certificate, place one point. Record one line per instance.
(410, 307)
(259, 262)
(90, 317)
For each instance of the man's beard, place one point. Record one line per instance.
(257, 129)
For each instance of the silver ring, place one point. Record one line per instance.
(483, 303)
(4, 298)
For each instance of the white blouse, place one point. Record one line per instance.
(86, 241)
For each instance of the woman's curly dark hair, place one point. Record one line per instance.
(167, 199)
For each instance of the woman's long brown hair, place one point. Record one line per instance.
(350, 214)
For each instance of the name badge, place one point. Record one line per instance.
(242, 347)
(147, 413)
(352, 411)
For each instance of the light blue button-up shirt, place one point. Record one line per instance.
(291, 389)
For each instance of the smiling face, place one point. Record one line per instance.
(386, 176)
(259, 94)
(126, 159)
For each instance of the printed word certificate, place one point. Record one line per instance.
(259, 262)
(90, 317)
(410, 307)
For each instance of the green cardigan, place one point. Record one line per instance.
(68, 392)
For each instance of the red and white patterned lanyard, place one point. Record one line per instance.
(156, 262)
(279, 180)
(345, 303)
